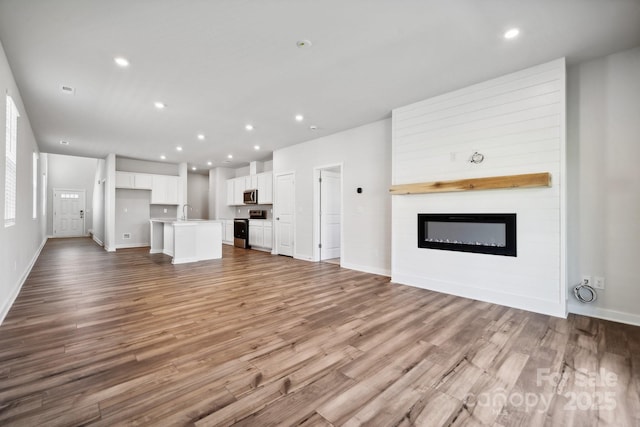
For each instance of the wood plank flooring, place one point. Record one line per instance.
(127, 338)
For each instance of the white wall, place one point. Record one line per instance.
(364, 153)
(110, 203)
(71, 172)
(98, 202)
(136, 219)
(20, 244)
(218, 208)
(143, 166)
(603, 158)
(517, 122)
(132, 217)
(198, 196)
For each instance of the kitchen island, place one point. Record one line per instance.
(186, 241)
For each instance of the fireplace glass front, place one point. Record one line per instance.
(481, 233)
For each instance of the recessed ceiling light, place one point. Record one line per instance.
(179, 148)
(299, 118)
(209, 163)
(201, 137)
(230, 156)
(163, 157)
(303, 44)
(512, 33)
(159, 105)
(249, 127)
(256, 147)
(194, 168)
(313, 127)
(121, 62)
(64, 142)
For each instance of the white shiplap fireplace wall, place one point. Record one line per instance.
(518, 123)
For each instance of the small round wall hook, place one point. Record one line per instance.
(476, 158)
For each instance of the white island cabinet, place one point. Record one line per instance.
(187, 241)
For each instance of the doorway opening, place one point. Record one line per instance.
(327, 245)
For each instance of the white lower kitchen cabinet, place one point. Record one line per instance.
(268, 235)
(261, 234)
(227, 232)
(186, 241)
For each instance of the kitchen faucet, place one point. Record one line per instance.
(184, 214)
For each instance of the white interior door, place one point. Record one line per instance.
(284, 210)
(68, 213)
(330, 213)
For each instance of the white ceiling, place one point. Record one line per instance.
(221, 64)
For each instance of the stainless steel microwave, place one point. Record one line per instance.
(250, 197)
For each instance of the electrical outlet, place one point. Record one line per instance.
(165, 210)
(598, 282)
(586, 280)
(126, 235)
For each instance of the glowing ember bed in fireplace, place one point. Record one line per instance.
(481, 233)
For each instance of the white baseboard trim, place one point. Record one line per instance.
(535, 305)
(366, 268)
(23, 278)
(132, 245)
(350, 266)
(302, 257)
(605, 313)
(98, 241)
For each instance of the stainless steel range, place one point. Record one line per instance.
(241, 228)
(241, 233)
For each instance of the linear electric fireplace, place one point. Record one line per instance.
(481, 233)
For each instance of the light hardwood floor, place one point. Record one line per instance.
(99, 338)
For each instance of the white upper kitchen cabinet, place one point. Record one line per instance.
(124, 179)
(231, 198)
(164, 190)
(252, 183)
(265, 188)
(138, 181)
(143, 181)
(240, 184)
(263, 182)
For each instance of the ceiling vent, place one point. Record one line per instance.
(68, 90)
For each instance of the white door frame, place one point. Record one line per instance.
(276, 224)
(316, 209)
(54, 216)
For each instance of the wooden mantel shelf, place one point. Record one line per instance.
(528, 180)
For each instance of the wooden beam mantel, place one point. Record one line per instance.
(489, 183)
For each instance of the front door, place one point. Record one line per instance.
(284, 210)
(68, 213)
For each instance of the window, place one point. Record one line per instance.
(44, 195)
(11, 162)
(35, 185)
